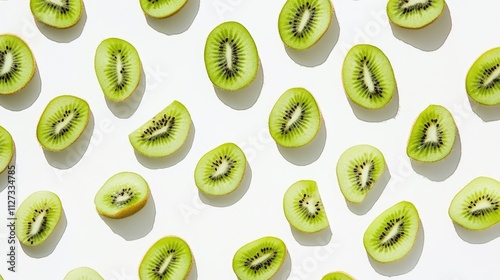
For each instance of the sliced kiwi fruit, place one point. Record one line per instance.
(259, 259)
(231, 56)
(170, 258)
(475, 207)
(295, 119)
(7, 148)
(118, 68)
(162, 8)
(303, 207)
(37, 217)
(57, 13)
(302, 23)
(83, 273)
(337, 276)
(358, 170)
(122, 195)
(483, 79)
(17, 64)
(164, 134)
(414, 14)
(368, 77)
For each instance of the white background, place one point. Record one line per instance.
(430, 67)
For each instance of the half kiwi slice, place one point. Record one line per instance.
(37, 217)
(414, 14)
(6, 149)
(168, 259)
(337, 276)
(83, 273)
(368, 77)
(17, 64)
(303, 207)
(295, 119)
(231, 56)
(58, 14)
(483, 79)
(62, 122)
(162, 8)
(259, 259)
(302, 23)
(475, 207)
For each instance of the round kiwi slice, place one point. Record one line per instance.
(259, 259)
(57, 13)
(392, 234)
(358, 170)
(220, 170)
(433, 135)
(295, 119)
(414, 14)
(162, 8)
(17, 64)
(337, 276)
(6, 149)
(231, 56)
(118, 68)
(83, 273)
(368, 77)
(170, 258)
(37, 217)
(483, 79)
(164, 134)
(62, 122)
(475, 207)
(122, 195)
(303, 207)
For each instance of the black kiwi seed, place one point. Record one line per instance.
(270, 259)
(431, 144)
(218, 162)
(297, 18)
(414, 8)
(229, 72)
(288, 115)
(125, 191)
(398, 222)
(165, 121)
(303, 206)
(68, 113)
(377, 90)
(483, 211)
(486, 73)
(170, 267)
(43, 225)
(62, 9)
(15, 62)
(357, 169)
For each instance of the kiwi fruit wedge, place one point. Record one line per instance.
(368, 77)
(259, 259)
(7, 148)
(483, 79)
(164, 134)
(302, 23)
(358, 170)
(122, 195)
(337, 276)
(170, 258)
(37, 217)
(161, 8)
(392, 234)
(83, 273)
(414, 14)
(295, 118)
(58, 14)
(118, 68)
(475, 207)
(303, 207)
(17, 64)
(231, 56)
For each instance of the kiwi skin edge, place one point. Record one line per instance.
(34, 66)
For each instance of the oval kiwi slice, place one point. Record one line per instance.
(6, 149)
(231, 56)
(414, 14)
(170, 258)
(162, 8)
(57, 13)
(83, 273)
(483, 79)
(17, 64)
(337, 276)
(259, 259)
(37, 217)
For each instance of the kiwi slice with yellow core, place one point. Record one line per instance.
(17, 64)
(414, 14)
(57, 13)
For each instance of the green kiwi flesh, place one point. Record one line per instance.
(83, 273)
(161, 8)
(475, 207)
(483, 79)
(118, 68)
(57, 13)
(164, 134)
(259, 259)
(368, 77)
(337, 276)
(414, 14)
(170, 258)
(17, 64)
(231, 56)
(37, 217)
(393, 233)
(122, 195)
(303, 207)
(302, 23)
(62, 122)
(7, 148)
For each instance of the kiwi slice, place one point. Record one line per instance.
(368, 77)
(83, 273)
(231, 56)
(358, 170)
(122, 195)
(162, 8)
(37, 217)
(259, 259)
(17, 64)
(164, 134)
(414, 14)
(62, 122)
(295, 119)
(6, 149)
(392, 234)
(337, 276)
(118, 68)
(475, 207)
(303, 207)
(57, 13)
(170, 258)
(483, 79)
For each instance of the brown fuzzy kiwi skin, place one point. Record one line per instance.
(417, 28)
(34, 66)
(155, 17)
(76, 22)
(129, 211)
